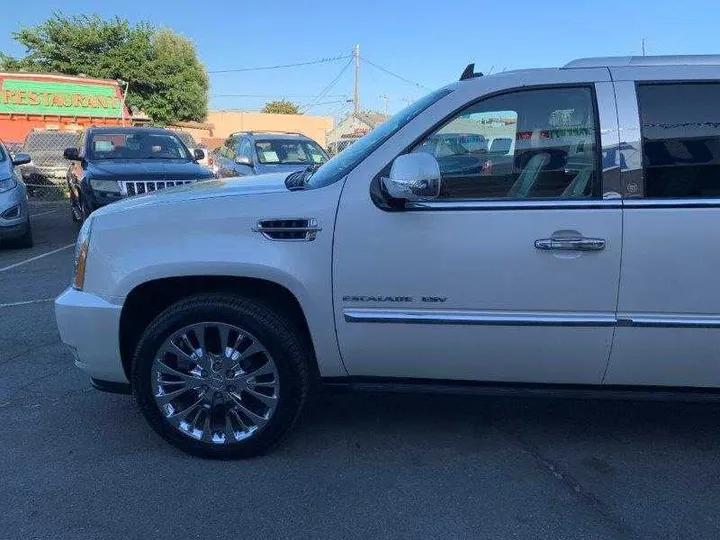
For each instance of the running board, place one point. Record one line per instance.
(492, 389)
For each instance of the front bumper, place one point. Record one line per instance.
(98, 199)
(8, 232)
(90, 324)
(15, 226)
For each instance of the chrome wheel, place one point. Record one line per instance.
(215, 382)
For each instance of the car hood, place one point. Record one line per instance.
(208, 189)
(157, 169)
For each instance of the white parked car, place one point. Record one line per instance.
(577, 257)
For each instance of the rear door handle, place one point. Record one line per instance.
(570, 244)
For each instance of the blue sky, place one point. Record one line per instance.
(426, 41)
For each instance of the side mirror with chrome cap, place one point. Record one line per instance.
(414, 177)
(243, 160)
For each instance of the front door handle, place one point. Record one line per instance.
(570, 244)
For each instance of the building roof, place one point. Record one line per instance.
(371, 119)
(56, 77)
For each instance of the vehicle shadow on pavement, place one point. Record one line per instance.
(370, 416)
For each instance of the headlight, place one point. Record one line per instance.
(108, 186)
(81, 252)
(7, 184)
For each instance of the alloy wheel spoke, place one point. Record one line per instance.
(189, 344)
(190, 380)
(174, 348)
(254, 348)
(264, 384)
(239, 420)
(177, 418)
(255, 417)
(266, 369)
(166, 397)
(266, 400)
(224, 331)
(229, 429)
(199, 331)
(207, 429)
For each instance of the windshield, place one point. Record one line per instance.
(279, 151)
(186, 138)
(2, 153)
(136, 145)
(348, 159)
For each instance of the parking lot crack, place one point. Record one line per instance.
(586, 497)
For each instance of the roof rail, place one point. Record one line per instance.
(639, 61)
(469, 72)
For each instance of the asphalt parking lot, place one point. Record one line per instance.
(76, 463)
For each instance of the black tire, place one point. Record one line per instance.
(26, 240)
(79, 209)
(277, 334)
(75, 212)
(23, 242)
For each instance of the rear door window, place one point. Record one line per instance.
(680, 125)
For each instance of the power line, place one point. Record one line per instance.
(329, 87)
(373, 64)
(275, 95)
(282, 66)
(344, 101)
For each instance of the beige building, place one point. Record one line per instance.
(220, 124)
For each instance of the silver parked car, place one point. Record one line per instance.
(547, 230)
(15, 227)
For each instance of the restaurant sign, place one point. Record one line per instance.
(43, 97)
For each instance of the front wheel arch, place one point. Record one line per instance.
(147, 300)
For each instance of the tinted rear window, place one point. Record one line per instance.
(680, 139)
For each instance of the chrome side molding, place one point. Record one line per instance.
(500, 318)
(482, 318)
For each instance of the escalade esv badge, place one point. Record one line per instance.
(396, 299)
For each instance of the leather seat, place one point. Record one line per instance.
(523, 186)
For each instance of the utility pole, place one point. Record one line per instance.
(356, 94)
(124, 99)
(643, 46)
(385, 98)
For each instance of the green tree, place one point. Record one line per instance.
(281, 107)
(167, 80)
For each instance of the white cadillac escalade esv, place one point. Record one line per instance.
(530, 230)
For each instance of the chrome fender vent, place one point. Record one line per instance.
(291, 229)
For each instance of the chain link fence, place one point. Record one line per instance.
(46, 174)
(337, 146)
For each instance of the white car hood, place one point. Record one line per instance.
(206, 189)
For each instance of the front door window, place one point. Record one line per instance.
(533, 144)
